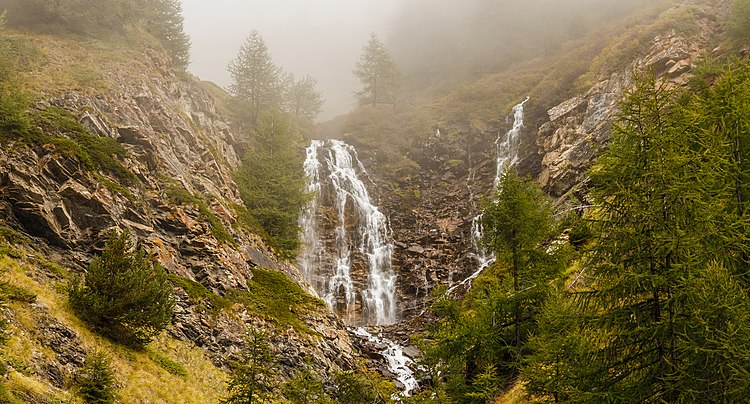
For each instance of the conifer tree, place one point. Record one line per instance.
(648, 226)
(378, 74)
(272, 183)
(257, 83)
(517, 222)
(96, 380)
(167, 24)
(303, 99)
(253, 375)
(125, 294)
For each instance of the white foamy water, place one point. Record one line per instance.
(359, 227)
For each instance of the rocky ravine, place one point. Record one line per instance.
(431, 212)
(176, 140)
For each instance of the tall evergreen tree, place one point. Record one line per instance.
(303, 99)
(272, 182)
(125, 294)
(167, 24)
(257, 83)
(378, 74)
(517, 221)
(649, 221)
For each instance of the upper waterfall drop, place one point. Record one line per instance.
(507, 156)
(347, 250)
(507, 148)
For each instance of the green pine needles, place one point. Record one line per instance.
(96, 380)
(125, 294)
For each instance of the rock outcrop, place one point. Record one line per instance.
(579, 128)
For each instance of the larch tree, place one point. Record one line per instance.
(257, 83)
(378, 74)
(650, 216)
(303, 99)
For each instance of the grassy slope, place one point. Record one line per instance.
(142, 375)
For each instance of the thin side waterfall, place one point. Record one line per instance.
(507, 155)
(350, 267)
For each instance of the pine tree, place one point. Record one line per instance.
(96, 380)
(253, 375)
(518, 222)
(378, 74)
(125, 295)
(305, 388)
(272, 183)
(724, 130)
(257, 83)
(167, 24)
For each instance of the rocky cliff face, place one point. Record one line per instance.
(578, 128)
(181, 151)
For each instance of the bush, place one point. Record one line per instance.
(96, 380)
(125, 295)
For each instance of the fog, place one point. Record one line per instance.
(322, 38)
(436, 43)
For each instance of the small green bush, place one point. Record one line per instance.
(125, 295)
(96, 380)
(199, 294)
(168, 364)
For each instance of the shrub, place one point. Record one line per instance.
(125, 295)
(357, 388)
(96, 380)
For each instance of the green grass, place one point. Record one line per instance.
(170, 365)
(277, 299)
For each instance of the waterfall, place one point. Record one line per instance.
(507, 147)
(360, 238)
(507, 156)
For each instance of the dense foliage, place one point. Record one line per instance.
(657, 307)
(96, 380)
(480, 345)
(252, 378)
(272, 182)
(125, 294)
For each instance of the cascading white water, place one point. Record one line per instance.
(507, 148)
(398, 363)
(360, 228)
(507, 155)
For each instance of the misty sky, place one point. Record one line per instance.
(322, 38)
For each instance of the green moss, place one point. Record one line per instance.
(178, 195)
(16, 293)
(59, 128)
(114, 187)
(277, 299)
(246, 221)
(199, 294)
(11, 236)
